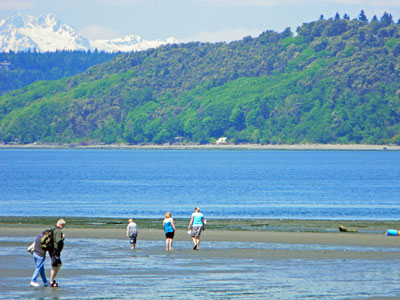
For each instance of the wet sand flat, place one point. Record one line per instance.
(231, 264)
(293, 232)
(365, 242)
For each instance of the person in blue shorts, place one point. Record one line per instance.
(196, 225)
(169, 229)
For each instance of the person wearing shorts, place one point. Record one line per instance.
(196, 225)
(55, 253)
(169, 229)
(132, 233)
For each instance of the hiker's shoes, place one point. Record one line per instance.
(35, 284)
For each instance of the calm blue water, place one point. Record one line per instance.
(225, 184)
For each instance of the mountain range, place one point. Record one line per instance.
(48, 34)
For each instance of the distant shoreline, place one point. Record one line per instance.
(344, 147)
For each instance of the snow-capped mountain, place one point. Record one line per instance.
(129, 43)
(46, 33)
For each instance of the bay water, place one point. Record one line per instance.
(344, 185)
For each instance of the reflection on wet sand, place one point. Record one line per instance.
(108, 269)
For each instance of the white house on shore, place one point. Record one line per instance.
(222, 141)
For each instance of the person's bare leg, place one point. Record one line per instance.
(53, 273)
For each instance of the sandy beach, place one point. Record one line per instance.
(341, 240)
(293, 232)
(289, 231)
(345, 239)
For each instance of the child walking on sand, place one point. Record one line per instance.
(169, 229)
(132, 233)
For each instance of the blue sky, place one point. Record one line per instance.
(188, 20)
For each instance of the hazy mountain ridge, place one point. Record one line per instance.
(47, 33)
(19, 69)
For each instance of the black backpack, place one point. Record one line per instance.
(47, 239)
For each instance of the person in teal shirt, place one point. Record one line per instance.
(196, 225)
(169, 229)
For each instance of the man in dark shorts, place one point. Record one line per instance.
(55, 253)
(39, 255)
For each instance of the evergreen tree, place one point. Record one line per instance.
(386, 19)
(362, 17)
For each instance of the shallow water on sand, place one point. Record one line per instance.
(108, 269)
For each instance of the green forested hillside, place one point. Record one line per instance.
(333, 81)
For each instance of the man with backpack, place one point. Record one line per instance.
(51, 241)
